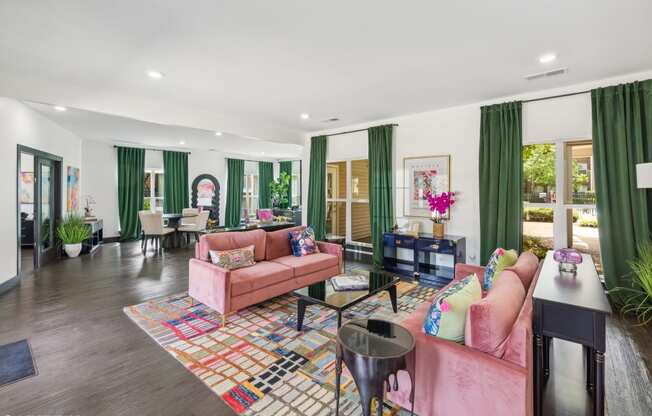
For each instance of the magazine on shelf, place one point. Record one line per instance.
(350, 282)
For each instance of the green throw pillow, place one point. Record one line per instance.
(500, 259)
(446, 317)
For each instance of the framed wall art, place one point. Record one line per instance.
(423, 175)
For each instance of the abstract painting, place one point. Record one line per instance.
(26, 187)
(73, 189)
(424, 175)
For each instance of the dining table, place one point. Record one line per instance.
(173, 220)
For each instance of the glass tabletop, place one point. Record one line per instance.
(375, 338)
(324, 293)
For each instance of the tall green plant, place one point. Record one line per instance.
(279, 189)
(73, 230)
(637, 299)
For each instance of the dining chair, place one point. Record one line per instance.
(199, 225)
(152, 225)
(189, 216)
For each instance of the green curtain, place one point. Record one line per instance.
(501, 168)
(131, 183)
(622, 137)
(234, 187)
(287, 168)
(175, 179)
(265, 177)
(317, 186)
(381, 198)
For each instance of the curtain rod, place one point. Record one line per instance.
(152, 148)
(354, 131)
(556, 96)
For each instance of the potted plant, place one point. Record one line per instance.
(439, 206)
(637, 299)
(72, 231)
(279, 190)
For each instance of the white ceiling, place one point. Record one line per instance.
(251, 67)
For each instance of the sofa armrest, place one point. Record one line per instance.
(210, 284)
(455, 379)
(462, 270)
(331, 248)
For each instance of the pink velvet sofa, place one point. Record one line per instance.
(492, 373)
(276, 270)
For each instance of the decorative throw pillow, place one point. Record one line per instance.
(446, 317)
(233, 259)
(499, 259)
(303, 242)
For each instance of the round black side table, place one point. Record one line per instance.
(373, 350)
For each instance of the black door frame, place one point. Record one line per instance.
(57, 162)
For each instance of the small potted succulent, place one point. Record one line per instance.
(439, 207)
(72, 231)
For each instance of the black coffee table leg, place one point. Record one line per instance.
(301, 312)
(392, 297)
(339, 319)
(338, 374)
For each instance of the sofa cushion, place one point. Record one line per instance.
(303, 243)
(499, 259)
(233, 259)
(258, 276)
(447, 314)
(308, 264)
(525, 268)
(278, 243)
(490, 320)
(232, 240)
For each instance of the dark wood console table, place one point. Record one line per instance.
(573, 308)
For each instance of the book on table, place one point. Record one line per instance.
(350, 282)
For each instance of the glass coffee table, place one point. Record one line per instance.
(324, 294)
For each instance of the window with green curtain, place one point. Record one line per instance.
(235, 173)
(265, 177)
(131, 183)
(286, 166)
(622, 138)
(317, 186)
(501, 144)
(175, 180)
(381, 197)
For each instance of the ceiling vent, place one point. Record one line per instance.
(546, 74)
(330, 120)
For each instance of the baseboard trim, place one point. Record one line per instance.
(108, 240)
(9, 284)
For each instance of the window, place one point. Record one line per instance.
(250, 190)
(296, 183)
(554, 219)
(153, 190)
(347, 200)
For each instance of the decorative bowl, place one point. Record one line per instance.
(568, 259)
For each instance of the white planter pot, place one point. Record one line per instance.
(72, 250)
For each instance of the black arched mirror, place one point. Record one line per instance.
(206, 194)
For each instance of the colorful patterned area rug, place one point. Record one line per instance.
(259, 364)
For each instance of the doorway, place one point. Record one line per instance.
(38, 207)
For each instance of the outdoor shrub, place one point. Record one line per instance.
(588, 221)
(536, 245)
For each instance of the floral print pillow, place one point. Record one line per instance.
(233, 259)
(303, 242)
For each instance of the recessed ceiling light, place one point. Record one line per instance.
(547, 58)
(154, 74)
(182, 142)
(60, 108)
(305, 116)
(218, 133)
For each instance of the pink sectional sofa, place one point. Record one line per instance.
(276, 270)
(492, 373)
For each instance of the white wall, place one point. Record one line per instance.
(100, 174)
(456, 131)
(21, 125)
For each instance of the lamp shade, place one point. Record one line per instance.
(644, 175)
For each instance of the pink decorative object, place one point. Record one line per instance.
(440, 204)
(568, 259)
(265, 215)
(444, 306)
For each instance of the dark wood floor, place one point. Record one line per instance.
(93, 360)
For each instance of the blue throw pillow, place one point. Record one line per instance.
(303, 242)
